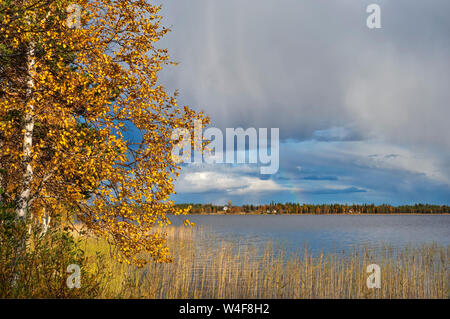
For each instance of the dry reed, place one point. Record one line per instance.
(207, 266)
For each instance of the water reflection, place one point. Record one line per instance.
(328, 233)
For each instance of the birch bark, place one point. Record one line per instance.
(23, 200)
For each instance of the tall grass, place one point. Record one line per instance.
(206, 266)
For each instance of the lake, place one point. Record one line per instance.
(329, 232)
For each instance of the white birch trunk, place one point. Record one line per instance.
(45, 222)
(22, 205)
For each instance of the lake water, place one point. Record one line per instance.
(329, 232)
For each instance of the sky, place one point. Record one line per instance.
(362, 113)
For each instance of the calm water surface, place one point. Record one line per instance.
(329, 232)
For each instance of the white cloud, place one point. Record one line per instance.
(233, 182)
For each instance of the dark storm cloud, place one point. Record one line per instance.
(313, 69)
(310, 65)
(331, 191)
(320, 178)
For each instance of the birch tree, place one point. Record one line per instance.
(69, 98)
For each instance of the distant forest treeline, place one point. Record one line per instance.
(297, 208)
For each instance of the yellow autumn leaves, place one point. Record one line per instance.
(89, 85)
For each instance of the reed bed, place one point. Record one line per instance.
(208, 266)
